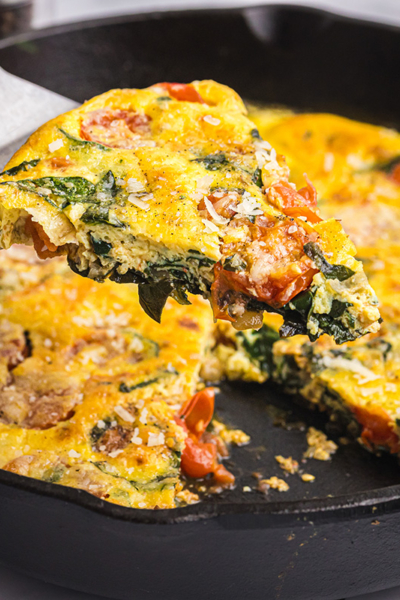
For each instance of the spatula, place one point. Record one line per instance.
(24, 106)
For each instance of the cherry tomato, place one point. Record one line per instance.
(223, 476)
(376, 428)
(182, 91)
(302, 211)
(395, 174)
(198, 412)
(198, 460)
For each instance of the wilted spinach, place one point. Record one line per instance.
(213, 162)
(79, 142)
(152, 298)
(258, 345)
(24, 166)
(339, 272)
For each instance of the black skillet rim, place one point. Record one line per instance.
(368, 503)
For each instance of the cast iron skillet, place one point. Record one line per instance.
(332, 538)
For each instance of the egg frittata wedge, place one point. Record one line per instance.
(97, 396)
(356, 167)
(172, 187)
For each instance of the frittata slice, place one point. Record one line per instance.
(356, 167)
(93, 393)
(173, 188)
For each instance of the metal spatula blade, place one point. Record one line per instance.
(24, 106)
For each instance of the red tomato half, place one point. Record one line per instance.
(182, 91)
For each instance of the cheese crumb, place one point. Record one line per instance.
(134, 186)
(135, 439)
(247, 488)
(156, 439)
(56, 145)
(124, 414)
(307, 477)
(74, 454)
(329, 161)
(143, 416)
(211, 120)
(140, 203)
(209, 227)
(115, 453)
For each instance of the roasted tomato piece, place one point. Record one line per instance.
(198, 460)
(376, 428)
(198, 412)
(115, 128)
(276, 267)
(41, 241)
(182, 91)
(306, 196)
(199, 457)
(395, 174)
(302, 211)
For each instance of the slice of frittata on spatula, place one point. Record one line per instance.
(173, 188)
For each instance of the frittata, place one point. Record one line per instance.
(173, 188)
(356, 168)
(94, 394)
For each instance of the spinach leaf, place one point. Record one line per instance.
(257, 178)
(258, 345)
(178, 293)
(234, 263)
(53, 475)
(339, 272)
(126, 389)
(24, 166)
(381, 345)
(83, 143)
(338, 330)
(101, 247)
(152, 298)
(98, 215)
(131, 276)
(213, 162)
(107, 185)
(97, 432)
(255, 134)
(58, 191)
(388, 165)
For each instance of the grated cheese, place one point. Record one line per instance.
(114, 453)
(134, 186)
(211, 120)
(74, 454)
(214, 214)
(354, 365)
(156, 439)
(138, 202)
(56, 145)
(250, 206)
(124, 414)
(329, 161)
(135, 439)
(209, 227)
(143, 416)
